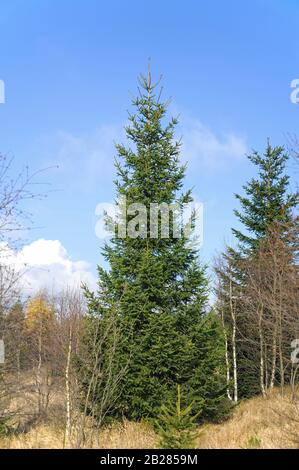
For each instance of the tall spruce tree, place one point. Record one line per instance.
(158, 284)
(266, 202)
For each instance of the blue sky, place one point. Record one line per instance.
(70, 70)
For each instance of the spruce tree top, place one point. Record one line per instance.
(152, 274)
(150, 171)
(267, 200)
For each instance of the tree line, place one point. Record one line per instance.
(148, 343)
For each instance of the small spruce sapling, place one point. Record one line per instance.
(176, 426)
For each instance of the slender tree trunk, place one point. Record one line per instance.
(38, 373)
(293, 381)
(281, 362)
(274, 347)
(235, 371)
(262, 362)
(274, 354)
(18, 370)
(281, 366)
(226, 358)
(47, 389)
(67, 390)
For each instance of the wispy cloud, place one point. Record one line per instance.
(203, 147)
(86, 161)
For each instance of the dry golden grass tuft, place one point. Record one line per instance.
(256, 423)
(127, 435)
(264, 423)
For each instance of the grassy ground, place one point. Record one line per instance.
(256, 423)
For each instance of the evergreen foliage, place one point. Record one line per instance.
(158, 284)
(266, 203)
(176, 426)
(267, 200)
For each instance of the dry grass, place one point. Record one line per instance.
(261, 423)
(256, 423)
(129, 435)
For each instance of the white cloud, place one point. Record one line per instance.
(46, 264)
(203, 148)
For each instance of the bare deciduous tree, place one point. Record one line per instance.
(97, 370)
(226, 306)
(272, 294)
